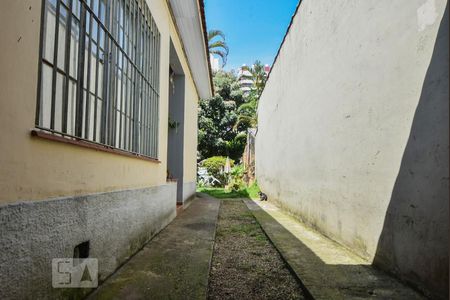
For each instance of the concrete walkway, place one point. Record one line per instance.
(327, 270)
(175, 264)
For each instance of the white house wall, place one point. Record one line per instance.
(353, 131)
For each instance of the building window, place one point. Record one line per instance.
(99, 73)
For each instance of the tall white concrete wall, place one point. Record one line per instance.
(353, 131)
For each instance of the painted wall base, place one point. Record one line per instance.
(189, 189)
(116, 224)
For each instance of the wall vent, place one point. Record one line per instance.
(81, 250)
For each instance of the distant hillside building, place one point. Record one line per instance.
(245, 77)
(215, 63)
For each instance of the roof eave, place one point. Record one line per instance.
(190, 39)
(205, 34)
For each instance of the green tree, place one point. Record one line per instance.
(217, 117)
(259, 77)
(227, 86)
(217, 45)
(224, 119)
(248, 111)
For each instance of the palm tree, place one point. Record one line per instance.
(248, 112)
(218, 47)
(259, 77)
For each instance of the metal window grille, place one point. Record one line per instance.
(99, 73)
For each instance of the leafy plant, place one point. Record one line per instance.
(215, 166)
(253, 190)
(173, 124)
(237, 178)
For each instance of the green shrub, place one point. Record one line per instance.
(215, 166)
(236, 146)
(253, 190)
(237, 178)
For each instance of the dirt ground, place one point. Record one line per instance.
(245, 264)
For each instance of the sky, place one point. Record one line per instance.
(254, 29)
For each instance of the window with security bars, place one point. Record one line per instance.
(99, 73)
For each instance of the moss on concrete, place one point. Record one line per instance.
(327, 269)
(173, 265)
(245, 264)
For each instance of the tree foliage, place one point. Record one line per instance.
(248, 111)
(225, 118)
(259, 77)
(217, 119)
(217, 45)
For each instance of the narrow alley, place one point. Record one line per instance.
(212, 149)
(246, 249)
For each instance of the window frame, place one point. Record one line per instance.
(143, 80)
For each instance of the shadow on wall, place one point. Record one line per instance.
(414, 241)
(322, 280)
